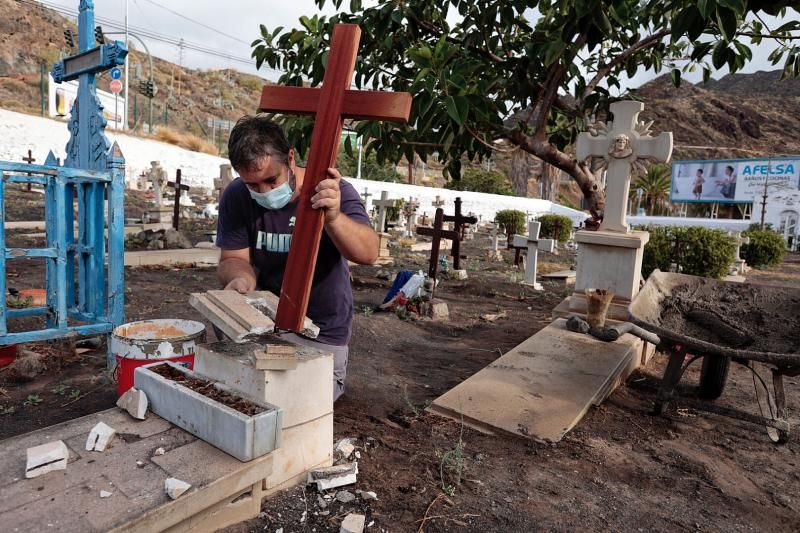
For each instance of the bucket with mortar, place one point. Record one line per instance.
(140, 343)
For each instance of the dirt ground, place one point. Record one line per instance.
(620, 469)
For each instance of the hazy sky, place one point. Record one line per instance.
(228, 27)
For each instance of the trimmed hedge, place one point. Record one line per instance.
(766, 248)
(551, 222)
(511, 221)
(696, 250)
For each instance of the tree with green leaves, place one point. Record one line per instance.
(529, 72)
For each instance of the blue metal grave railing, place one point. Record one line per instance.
(95, 296)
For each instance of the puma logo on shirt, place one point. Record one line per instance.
(274, 242)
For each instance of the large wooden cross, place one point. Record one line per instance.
(458, 221)
(330, 104)
(627, 141)
(437, 233)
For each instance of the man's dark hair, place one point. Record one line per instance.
(729, 167)
(256, 137)
(700, 170)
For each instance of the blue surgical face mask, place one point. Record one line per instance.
(277, 198)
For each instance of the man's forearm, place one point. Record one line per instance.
(232, 268)
(357, 242)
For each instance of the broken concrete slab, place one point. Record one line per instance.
(344, 448)
(333, 476)
(46, 458)
(353, 523)
(267, 302)
(305, 447)
(105, 494)
(238, 307)
(544, 386)
(458, 274)
(134, 402)
(175, 487)
(99, 437)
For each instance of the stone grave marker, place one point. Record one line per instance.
(382, 205)
(739, 265)
(225, 178)
(533, 244)
(410, 214)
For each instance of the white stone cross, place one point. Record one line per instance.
(495, 234)
(534, 244)
(439, 202)
(621, 142)
(383, 204)
(410, 212)
(158, 177)
(739, 263)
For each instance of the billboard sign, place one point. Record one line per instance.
(62, 95)
(732, 180)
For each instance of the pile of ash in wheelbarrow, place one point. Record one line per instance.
(754, 325)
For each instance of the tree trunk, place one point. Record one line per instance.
(551, 180)
(521, 164)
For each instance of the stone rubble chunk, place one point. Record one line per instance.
(99, 437)
(345, 496)
(105, 494)
(368, 495)
(353, 523)
(321, 503)
(159, 451)
(135, 402)
(344, 448)
(333, 476)
(458, 274)
(46, 458)
(175, 487)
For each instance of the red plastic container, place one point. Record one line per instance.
(140, 343)
(8, 354)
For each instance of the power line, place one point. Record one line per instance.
(149, 34)
(165, 8)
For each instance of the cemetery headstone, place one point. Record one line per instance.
(178, 187)
(739, 265)
(458, 221)
(225, 178)
(533, 244)
(382, 205)
(410, 214)
(437, 233)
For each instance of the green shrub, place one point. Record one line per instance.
(695, 250)
(511, 221)
(766, 248)
(483, 181)
(551, 223)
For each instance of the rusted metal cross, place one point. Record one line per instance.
(330, 104)
(30, 159)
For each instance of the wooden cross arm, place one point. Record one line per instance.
(359, 105)
(442, 234)
(183, 186)
(462, 219)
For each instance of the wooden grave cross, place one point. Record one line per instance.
(627, 141)
(30, 159)
(331, 104)
(365, 195)
(437, 233)
(458, 221)
(178, 186)
(383, 205)
(533, 243)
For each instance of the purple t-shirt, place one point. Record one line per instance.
(243, 223)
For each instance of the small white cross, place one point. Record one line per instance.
(383, 204)
(534, 244)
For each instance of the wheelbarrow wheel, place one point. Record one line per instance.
(713, 376)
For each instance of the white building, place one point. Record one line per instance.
(783, 214)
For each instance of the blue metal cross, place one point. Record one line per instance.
(88, 147)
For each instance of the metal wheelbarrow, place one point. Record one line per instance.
(719, 322)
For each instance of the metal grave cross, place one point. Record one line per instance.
(178, 186)
(458, 221)
(30, 159)
(88, 147)
(330, 104)
(383, 204)
(534, 244)
(437, 233)
(622, 146)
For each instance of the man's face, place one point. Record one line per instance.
(269, 173)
